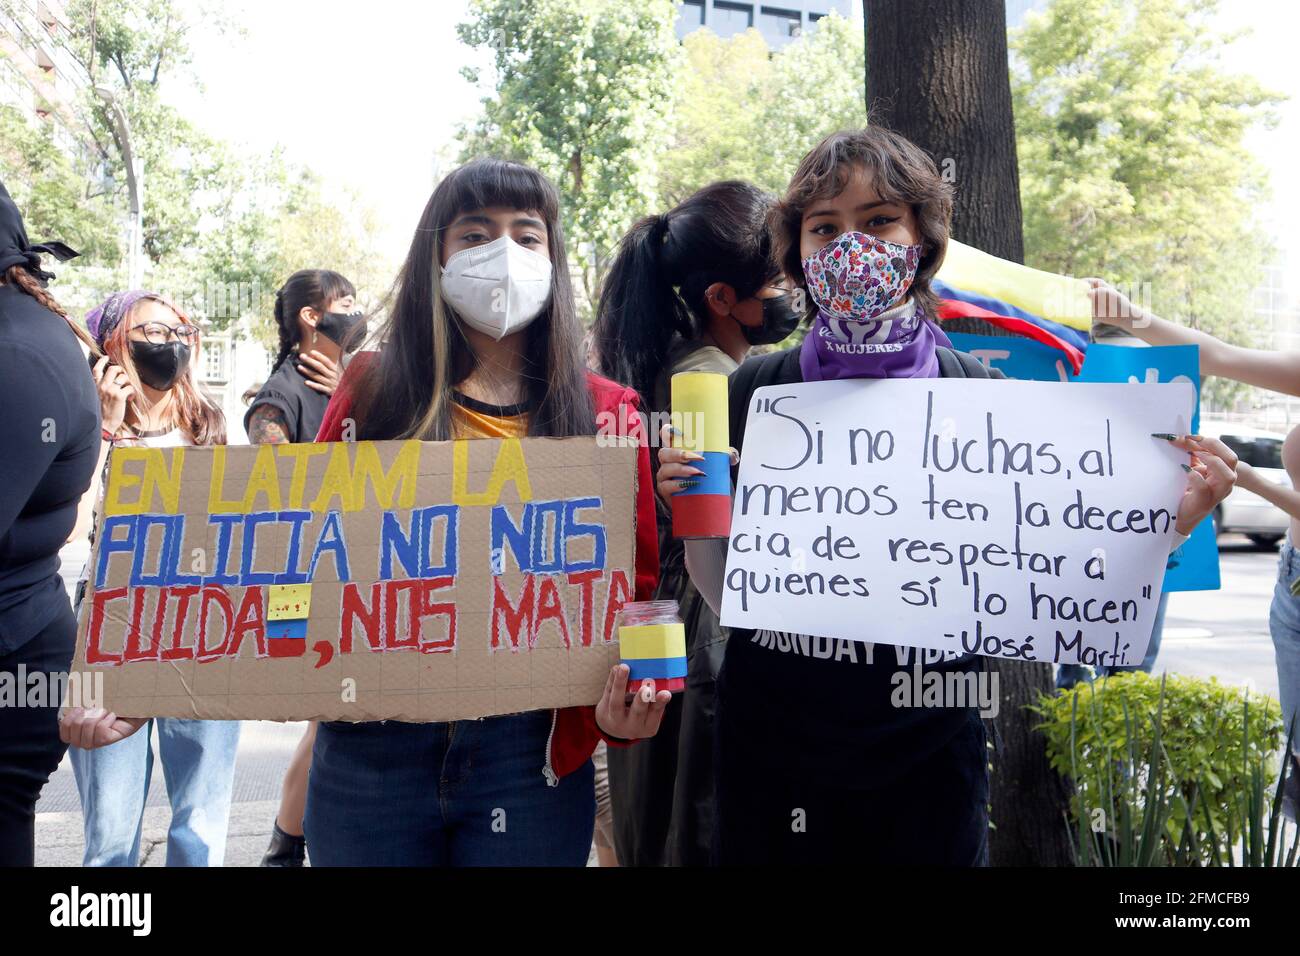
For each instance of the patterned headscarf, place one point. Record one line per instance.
(108, 315)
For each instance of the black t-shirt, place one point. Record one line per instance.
(824, 709)
(49, 443)
(287, 390)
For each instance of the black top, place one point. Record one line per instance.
(487, 408)
(49, 435)
(820, 709)
(287, 390)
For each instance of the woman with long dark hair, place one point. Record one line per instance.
(482, 340)
(50, 436)
(690, 290)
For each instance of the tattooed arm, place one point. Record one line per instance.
(267, 426)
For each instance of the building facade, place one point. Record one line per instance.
(39, 75)
(779, 22)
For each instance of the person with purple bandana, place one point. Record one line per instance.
(143, 369)
(814, 763)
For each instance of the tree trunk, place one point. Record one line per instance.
(936, 72)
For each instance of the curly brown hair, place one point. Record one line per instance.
(900, 171)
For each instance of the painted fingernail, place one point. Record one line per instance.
(1165, 435)
(1185, 467)
(674, 430)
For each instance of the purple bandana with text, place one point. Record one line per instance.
(897, 346)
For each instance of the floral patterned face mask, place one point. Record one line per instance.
(857, 276)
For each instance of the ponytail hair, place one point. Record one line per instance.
(306, 288)
(653, 294)
(20, 277)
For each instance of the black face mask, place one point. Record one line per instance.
(339, 328)
(159, 366)
(779, 320)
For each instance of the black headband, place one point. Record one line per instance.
(15, 250)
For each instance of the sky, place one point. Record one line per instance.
(370, 95)
(1269, 54)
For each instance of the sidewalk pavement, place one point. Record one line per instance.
(264, 751)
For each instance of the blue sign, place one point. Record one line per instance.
(1016, 357)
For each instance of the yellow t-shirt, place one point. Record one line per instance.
(471, 418)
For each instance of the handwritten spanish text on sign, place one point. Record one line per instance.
(360, 581)
(1003, 518)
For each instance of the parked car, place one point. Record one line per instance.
(1244, 511)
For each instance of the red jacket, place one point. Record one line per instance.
(574, 733)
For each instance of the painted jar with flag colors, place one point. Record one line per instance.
(652, 643)
(702, 508)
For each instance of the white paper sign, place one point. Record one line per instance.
(1011, 519)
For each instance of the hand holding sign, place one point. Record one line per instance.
(1210, 478)
(96, 727)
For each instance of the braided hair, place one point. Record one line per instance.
(306, 288)
(20, 277)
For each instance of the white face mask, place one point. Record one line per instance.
(497, 288)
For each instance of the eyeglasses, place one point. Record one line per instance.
(158, 333)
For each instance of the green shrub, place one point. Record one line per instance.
(1169, 770)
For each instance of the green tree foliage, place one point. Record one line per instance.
(815, 91)
(744, 112)
(601, 97)
(52, 191)
(581, 92)
(1132, 161)
(276, 219)
(139, 46)
(222, 230)
(1166, 770)
(720, 96)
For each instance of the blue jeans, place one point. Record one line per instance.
(198, 761)
(1284, 626)
(465, 793)
(1070, 674)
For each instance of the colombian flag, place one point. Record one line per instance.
(1049, 308)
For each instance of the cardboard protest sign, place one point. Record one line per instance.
(407, 580)
(1003, 518)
